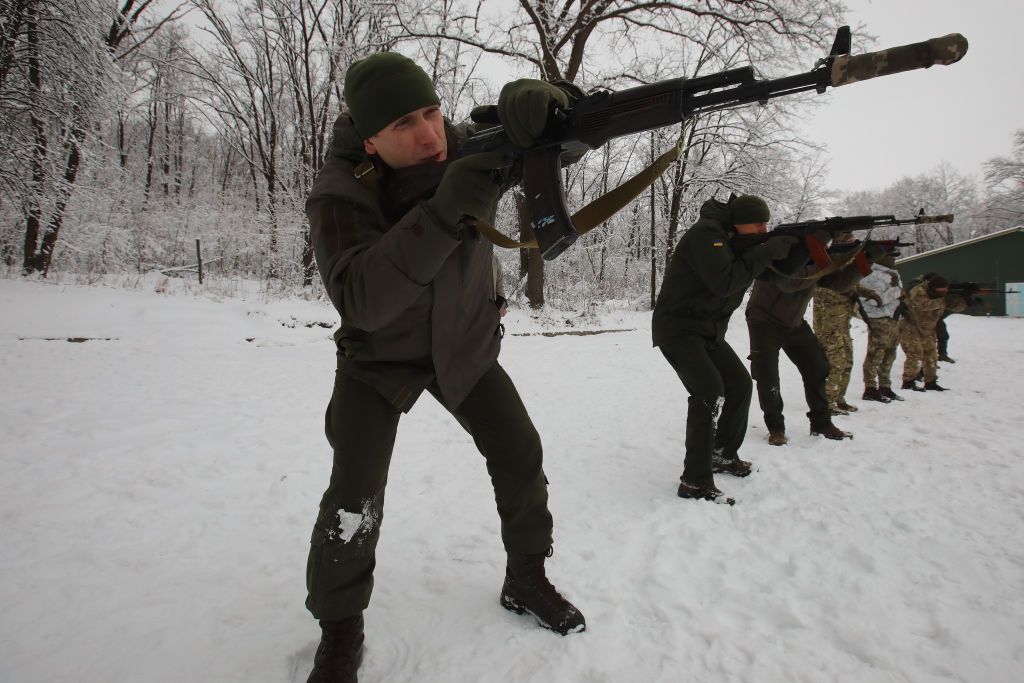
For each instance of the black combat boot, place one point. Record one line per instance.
(527, 589)
(873, 394)
(888, 393)
(843, 405)
(911, 385)
(934, 386)
(340, 652)
(733, 466)
(709, 492)
(830, 431)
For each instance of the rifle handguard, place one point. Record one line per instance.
(848, 69)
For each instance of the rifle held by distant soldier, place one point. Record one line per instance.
(815, 234)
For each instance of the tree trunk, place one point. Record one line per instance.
(32, 261)
(654, 240)
(531, 264)
(63, 195)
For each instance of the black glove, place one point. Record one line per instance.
(468, 188)
(524, 109)
(874, 252)
(778, 247)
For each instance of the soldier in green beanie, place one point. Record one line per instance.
(414, 288)
(705, 281)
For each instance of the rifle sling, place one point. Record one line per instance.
(586, 219)
(598, 211)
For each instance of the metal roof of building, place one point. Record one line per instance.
(950, 247)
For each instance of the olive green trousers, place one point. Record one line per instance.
(361, 428)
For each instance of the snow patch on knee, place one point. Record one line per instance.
(716, 411)
(352, 523)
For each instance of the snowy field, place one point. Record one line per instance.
(159, 484)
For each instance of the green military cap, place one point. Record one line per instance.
(748, 208)
(384, 87)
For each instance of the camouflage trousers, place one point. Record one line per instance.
(883, 338)
(832, 327)
(920, 349)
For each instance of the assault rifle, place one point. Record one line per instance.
(811, 233)
(969, 290)
(595, 119)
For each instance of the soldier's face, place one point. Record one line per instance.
(416, 138)
(751, 228)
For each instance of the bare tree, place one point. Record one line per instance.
(1004, 201)
(52, 96)
(271, 83)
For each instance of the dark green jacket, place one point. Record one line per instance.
(782, 300)
(415, 302)
(705, 280)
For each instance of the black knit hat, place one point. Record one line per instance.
(385, 87)
(748, 208)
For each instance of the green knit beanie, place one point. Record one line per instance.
(385, 87)
(748, 208)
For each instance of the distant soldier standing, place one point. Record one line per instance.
(775, 321)
(883, 328)
(832, 313)
(704, 283)
(926, 302)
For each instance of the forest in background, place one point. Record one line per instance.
(131, 129)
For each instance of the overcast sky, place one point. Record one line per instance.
(882, 130)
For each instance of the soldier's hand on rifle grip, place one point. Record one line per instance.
(525, 107)
(778, 247)
(875, 252)
(468, 188)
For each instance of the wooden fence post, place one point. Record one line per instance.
(199, 260)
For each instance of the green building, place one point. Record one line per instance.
(995, 260)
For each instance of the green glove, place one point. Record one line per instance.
(778, 247)
(468, 188)
(524, 109)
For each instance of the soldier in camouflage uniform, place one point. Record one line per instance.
(926, 302)
(883, 329)
(832, 313)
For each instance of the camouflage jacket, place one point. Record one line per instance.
(923, 311)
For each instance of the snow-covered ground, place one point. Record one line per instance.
(158, 485)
